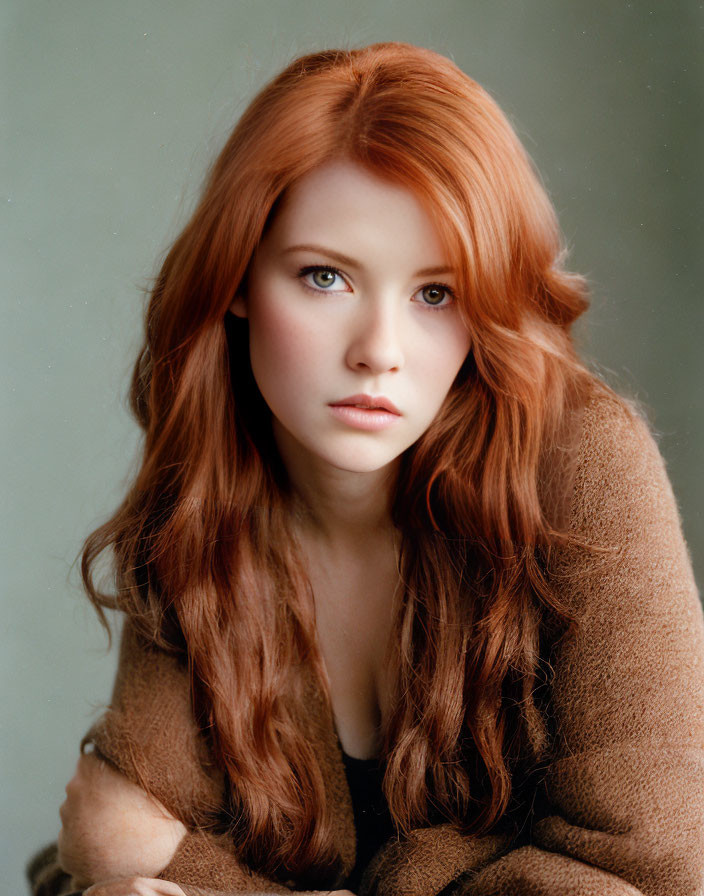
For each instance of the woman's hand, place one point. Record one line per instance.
(149, 886)
(112, 829)
(135, 886)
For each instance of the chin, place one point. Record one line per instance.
(361, 462)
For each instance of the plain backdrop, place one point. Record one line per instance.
(111, 113)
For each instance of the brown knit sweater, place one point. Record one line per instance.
(622, 810)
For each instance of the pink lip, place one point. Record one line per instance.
(368, 401)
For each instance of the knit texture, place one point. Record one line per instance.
(620, 810)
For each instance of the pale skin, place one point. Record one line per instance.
(380, 325)
(111, 828)
(114, 837)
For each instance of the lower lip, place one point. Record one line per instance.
(370, 419)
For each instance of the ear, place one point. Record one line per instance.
(238, 306)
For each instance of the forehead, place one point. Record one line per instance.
(344, 203)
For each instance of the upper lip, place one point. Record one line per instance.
(370, 401)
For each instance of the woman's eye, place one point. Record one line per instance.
(436, 295)
(321, 277)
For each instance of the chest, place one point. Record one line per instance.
(354, 613)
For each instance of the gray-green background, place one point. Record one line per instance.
(110, 113)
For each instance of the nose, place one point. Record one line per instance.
(376, 342)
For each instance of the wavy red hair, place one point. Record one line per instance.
(203, 557)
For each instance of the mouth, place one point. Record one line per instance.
(368, 403)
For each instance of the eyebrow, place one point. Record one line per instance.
(350, 262)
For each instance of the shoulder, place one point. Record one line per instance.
(633, 558)
(141, 645)
(621, 483)
(632, 670)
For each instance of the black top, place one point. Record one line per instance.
(372, 819)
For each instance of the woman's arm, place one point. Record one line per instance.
(115, 838)
(111, 828)
(152, 746)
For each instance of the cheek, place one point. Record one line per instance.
(441, 353)
(286, 348)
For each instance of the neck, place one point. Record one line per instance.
(339, 508)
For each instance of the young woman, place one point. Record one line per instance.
(407, 605)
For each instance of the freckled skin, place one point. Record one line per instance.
(370, 329)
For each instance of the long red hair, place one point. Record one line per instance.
(203, 557)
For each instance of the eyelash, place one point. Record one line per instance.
(309, 269)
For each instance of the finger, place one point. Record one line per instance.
(168, 888)
(135, 886)
(153, 886)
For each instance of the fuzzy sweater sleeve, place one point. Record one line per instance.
(149, 733)
(623, 799)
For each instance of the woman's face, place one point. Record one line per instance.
(341, 302)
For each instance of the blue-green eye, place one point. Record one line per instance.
(325, 275)
(439, 295)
